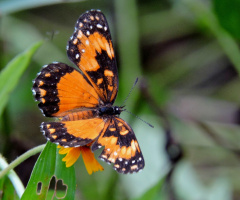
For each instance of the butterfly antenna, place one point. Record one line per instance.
(129, 111)
(130, 92)
(52, 33)
(140, 119)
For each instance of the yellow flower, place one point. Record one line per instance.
(73, 153)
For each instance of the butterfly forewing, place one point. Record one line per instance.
(91, 49)
(61, 88)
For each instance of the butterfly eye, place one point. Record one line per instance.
(117, 110)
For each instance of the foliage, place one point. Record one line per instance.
(11, 74)
(228, 15)
(49, 167)
(186, 54)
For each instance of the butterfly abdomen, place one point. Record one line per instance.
(86, 114)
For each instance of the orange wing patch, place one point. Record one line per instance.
(63, 90)
(120, 147)
(73, 133)
(75, 92)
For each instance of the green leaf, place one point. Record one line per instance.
(153, 193)
(7, 191)
(49, 166)
(206, 17)
(11, 74)
(228, 15)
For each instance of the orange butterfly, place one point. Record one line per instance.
(83, 99)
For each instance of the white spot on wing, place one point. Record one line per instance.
(34, 92)
(99, 26)
(44, 66)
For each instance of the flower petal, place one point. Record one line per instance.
(92, 165)
(63, 150)
(72, 155)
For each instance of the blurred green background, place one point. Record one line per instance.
(187, 57)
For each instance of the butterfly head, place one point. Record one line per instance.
(110, 110)
(118, 109)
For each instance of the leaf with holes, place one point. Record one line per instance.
(50, 168)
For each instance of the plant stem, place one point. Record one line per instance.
(17, 184)
(20, 159)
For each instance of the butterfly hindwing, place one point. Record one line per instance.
(120, 147)
(91, 49)
(61, 88)
(73, 133)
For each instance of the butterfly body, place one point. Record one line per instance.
(110, 110)
(83, 98)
